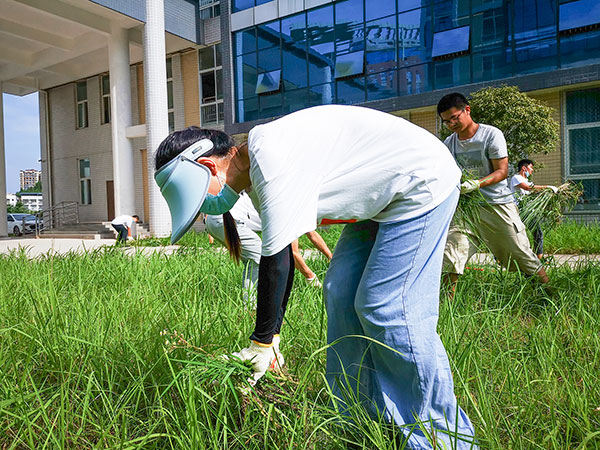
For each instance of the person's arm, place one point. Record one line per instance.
(299, 262)
(500, 172)
(319, 243)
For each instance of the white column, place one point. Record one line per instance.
(3, 227)
(120, 111)
(157, 121)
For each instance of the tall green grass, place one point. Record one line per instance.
(572, 237)
(85, 361)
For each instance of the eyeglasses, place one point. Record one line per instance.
(453, 118)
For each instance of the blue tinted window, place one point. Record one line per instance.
(350, 64)
(414, 79)
(270, 105)
(321, 45)
(491, 64)
(268, 82)
(299, 99)
(382, 85)
(323, 93)
(452, 72)
(268, 35)
(374, 9)
(405, 5)
(245, 41)
(247, 109)
(583, 106)
(293, 28)
(239, 5)
(488, 27)
(578, 14)
(245, 74)
(450, 14)
(414, 45)
(580, 48)
(269, 59)
(349, 11)
(349, 23)
(380, 43)
(295, 68)
(350, 91)
(451, 41)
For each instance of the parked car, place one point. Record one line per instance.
(19, 223)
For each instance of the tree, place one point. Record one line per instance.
(18, 208)
(527, 123)
(37, 187)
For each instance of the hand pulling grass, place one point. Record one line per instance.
(545, 208)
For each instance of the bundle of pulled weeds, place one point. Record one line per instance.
(469, 204)
(545, 208)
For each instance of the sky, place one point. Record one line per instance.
(21, 137)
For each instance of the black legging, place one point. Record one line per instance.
(123, 232)
(275, 278)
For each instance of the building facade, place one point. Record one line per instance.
(257, 60)
(33, 201)
(28, 178)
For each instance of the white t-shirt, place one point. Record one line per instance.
(123, 220)
(475, 154)
(244, 211)
(343, 163)
(515, 181)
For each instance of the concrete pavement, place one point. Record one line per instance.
(43, 247)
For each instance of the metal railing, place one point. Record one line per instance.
(63, 213)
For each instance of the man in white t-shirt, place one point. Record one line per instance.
(397, 187)
(481, 150)
(520, 185)
(122, 224)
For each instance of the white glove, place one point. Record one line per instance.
(314, 282)
(469, 186)
(553, 189)
(263, 357)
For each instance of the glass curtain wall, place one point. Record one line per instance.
(354, 51)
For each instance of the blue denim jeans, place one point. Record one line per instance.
(383, 285)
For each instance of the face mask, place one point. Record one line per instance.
(215, 205)
(526, 174)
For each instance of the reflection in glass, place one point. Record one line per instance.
(270, 105)
(380, 42)
(374, 9)
(580, 48)
(268, 35)
(239, 5)
(413, 27)
(245, 41)
(269, 59)
(268, 82)
(322, 94)
(350, 91)
(349, 64)
(451, 41)
(578, 14)
(382, 85)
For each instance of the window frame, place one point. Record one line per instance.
(213, 7)
(104, 108)
(217, 103)
(84, 179)
(84, 104)
(170, 89)
(567, 148)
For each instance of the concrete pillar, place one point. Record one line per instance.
(157, 120)
(45, 152)
(3, 227)
(120, 110)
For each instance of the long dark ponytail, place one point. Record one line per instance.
(177, 142)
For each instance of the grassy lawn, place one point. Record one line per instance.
(85, 361)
